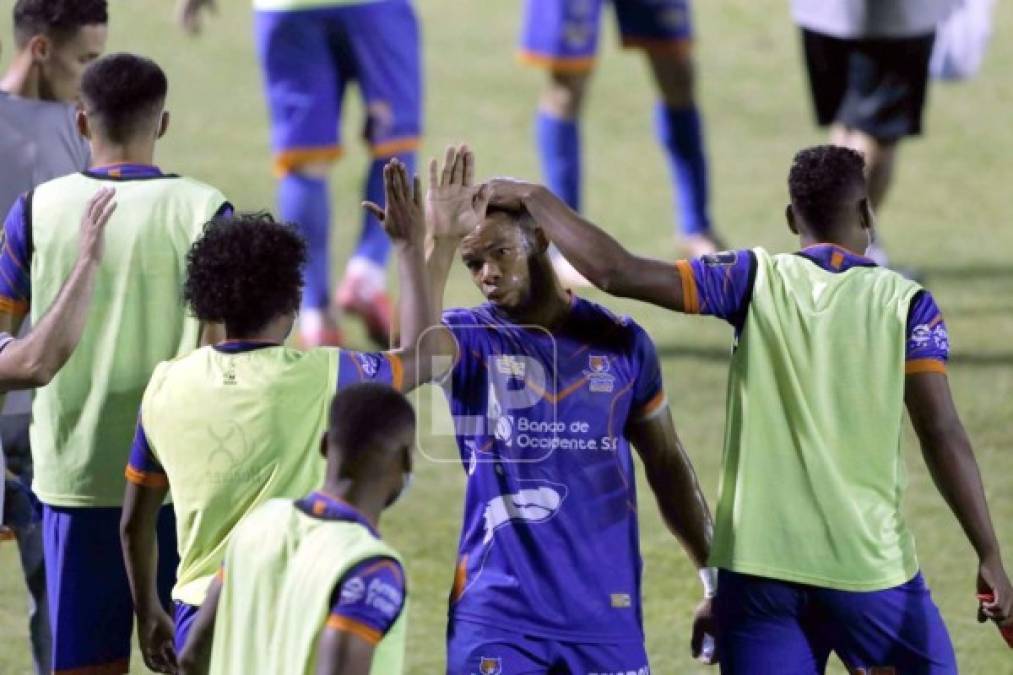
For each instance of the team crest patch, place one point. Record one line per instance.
(490, 666)
(598, 377)
(369, 363)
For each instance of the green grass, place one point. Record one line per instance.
(948, 215)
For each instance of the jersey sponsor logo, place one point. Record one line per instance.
(511, 365)
(385, 598)
(642, 670)
(352, 591)
(599, 380)
(532, 505)
(927, 336)
(621, 600)
(722, 259)
(490, 666)
(225, 460)
(370, 364)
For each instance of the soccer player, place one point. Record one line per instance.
(54, 40)
(84, 420)
(309, 51)
(813, 549)
(309, 586)
(868, 65)
(562, 37)
(548, 393)
(228, 427)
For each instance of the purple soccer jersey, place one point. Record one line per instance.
(549, 544)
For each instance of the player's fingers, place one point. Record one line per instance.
(388, 183)
(469, 166)
(106, 214)
(402, 182)
(96, 199)
(457, 175)
(374, 210)
(448, 165)
(417, 189)
(480, 200)
(434, 167)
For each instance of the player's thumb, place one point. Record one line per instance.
(374, 209)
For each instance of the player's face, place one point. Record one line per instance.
(496, 254)
(65, 61)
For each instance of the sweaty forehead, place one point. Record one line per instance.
(498, 229)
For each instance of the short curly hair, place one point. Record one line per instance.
(57, 19)
(245, 271)
(824, 182)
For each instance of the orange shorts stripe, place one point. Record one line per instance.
(573, 65)
(345, 625)
(287, 161)
(916, 366)
(679, 47)
(111, 668)
(145, 478)
(690, 295)
(396, 370)
(395, 147)
(15, 307)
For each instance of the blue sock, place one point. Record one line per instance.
(680, 132)
(373, 241)
(559, 149)
(305, 201)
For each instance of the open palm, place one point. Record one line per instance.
(454, 206)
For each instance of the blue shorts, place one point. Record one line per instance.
(474, 648)
(776, 627)
(90, 609)
(563, 34)
(309, 56)
(183, 616)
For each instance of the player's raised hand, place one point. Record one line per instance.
(402, 218)
(156, 637)
(188, 13)
(454, 205)
(93, 224)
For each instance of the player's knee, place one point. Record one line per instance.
(564, 96)
(675, 76)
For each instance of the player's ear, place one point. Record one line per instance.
(82, 123)
(40, 47)
(866, 217)
(163, 124)
(789, 215)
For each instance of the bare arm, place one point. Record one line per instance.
(195, 659)
(591, 250)
(950, 459)
(343, 653)
(34, 360)
(140, 554)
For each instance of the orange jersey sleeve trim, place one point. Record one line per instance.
(396, 370)
(287, 161)
(690, 294)
(557, 64)
(13, 307)
(916, 366)
(346, 625)
(151, 480)
(679, 47)
(651, 407)
(460, 579)
(395, 147)
(112, 668)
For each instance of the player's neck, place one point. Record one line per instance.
(22, 78)
(109, 154)
(275, 332)
(548, 308)
(364, 498)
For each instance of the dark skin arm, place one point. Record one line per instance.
(195, 658)
(591, 250)
(343, 653)
(155, 629)
(950, 459)
(680, 500)
(34, 360)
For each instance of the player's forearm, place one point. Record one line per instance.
(591, 250)
(34, 360)
(950, 458)
(440, 253)
(140, 553)
(683, 506)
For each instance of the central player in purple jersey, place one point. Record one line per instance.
(548, 394)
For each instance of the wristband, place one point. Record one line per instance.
(709, 579)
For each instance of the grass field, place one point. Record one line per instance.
(949, 215)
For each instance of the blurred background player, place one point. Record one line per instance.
(54, 40)
(812, 438)
(310, 50)
(562, 36)
(84, 420)
(868, 65)
(309, 587)
(548, 394)
(228, 427)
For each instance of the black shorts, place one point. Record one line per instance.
(875, 85)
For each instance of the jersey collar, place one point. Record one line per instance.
(330, 507)
(239, 346)
(834, 257)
